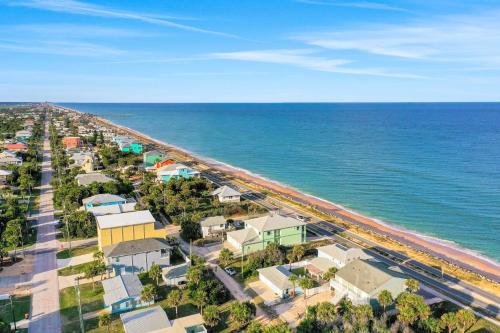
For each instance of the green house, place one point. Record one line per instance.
(127, 144)
(152, 157)
(261, 231)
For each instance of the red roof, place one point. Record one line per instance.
(163, 163)
(15, 146)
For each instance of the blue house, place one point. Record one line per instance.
(127, 144)
(103, 200)
(123, 293)
(175, 171)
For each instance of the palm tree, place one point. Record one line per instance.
(148, 293)
(105, 320)
(211, 315)
(155, 273)
(299, 251)
(326, 313)
(99, 256)
(345, 305)
(293, 279)
(412, 285)
(291, 258)
(385, 299)
(199, 298)
(306, 283)
(330, 274)
(449, 321)
(465, 320)
(174, 299)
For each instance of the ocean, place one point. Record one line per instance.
(432, 168)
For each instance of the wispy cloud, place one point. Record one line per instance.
(354, 4)
(460, 39)
(83, 8)
(306, 58)
(73, 30)
(59, 47)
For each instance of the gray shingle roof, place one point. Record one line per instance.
(277, 275)
(102, 198)
(226, 191)
(273, 222)
(121, 287)
(212, 220)
(368, 275)
(89, 178)
(135, 246)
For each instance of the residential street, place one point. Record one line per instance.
(45, 292)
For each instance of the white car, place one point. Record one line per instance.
(230, 271)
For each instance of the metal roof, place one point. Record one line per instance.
(148, 320)
(226, 191)
(273, 222)
(102, 198)
(212, 220)
(125, 219)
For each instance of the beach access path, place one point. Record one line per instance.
(44, 312)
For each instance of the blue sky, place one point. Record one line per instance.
(249, 50)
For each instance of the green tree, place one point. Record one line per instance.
(293, 279)
(105, 321)
(4, 327)
(385, 299)
(411, 308)
(412, 285)
(199, 297)
(449, 321)
(98, 256)
(345, 305)
(254, 327)
(330, 274)
(241, 313)
(194, 274)
(431, 325)
(277, 328)
(226, 257)
(306, 283)
(174, 299)
(298, 250)
(148, 293)
(155, 273)
(211, 315)
(465, 320)
(361, 315)
(326, 313)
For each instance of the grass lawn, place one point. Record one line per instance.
(91, 300)
(77, 251)
(21, 306)
(299, 271)
(92, 325)
(481, 326)
(71, 270)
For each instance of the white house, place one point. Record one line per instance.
(227, 194)
(213, 224)
(3, 176)
(363, 280)
(123, 293)
(276, 279)
(341, 255)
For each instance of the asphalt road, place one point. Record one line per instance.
(45, 292)
(462, 292)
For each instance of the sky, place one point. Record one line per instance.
(249, 50)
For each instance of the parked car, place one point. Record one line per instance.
(230, 271)
(303, 218)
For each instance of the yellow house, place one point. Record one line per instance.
(116, 228)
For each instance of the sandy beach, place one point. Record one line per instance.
(434, 247)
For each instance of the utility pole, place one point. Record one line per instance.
(82, 328)
(13, 315)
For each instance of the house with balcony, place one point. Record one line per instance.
(261, 231)
(175, 171)
(72, 142)
(212, 225)
(137, 256)
(23, 136)
(83, 160)
(117, 228)
(152, 157)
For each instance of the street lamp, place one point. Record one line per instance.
(5, 297)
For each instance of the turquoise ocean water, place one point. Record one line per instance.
(433, 168)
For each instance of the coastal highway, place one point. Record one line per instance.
(481, 301)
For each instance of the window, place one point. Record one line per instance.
(269, 233)
(164, 253)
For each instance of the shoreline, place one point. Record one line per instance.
(433, 246)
